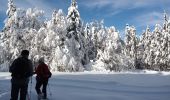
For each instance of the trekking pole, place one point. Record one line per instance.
(28, 96)
(29, 93)
(49, 89)
(30, 88)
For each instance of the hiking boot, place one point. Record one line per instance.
(40, 96)
(44, 99)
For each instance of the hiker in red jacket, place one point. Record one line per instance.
(43, 74)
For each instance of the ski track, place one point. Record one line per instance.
(99, 87)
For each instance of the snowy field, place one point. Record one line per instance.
(143, 85)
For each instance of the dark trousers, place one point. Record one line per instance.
(19, 86)
(41, 82)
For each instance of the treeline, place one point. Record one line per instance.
(68, 44)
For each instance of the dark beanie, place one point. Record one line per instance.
(25, 53)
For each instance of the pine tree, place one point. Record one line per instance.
(157, 42)
(165, 24)
(165, 44)
(131, 43)
(11, 8)
(98, 35)
(89, 54)
(168, 51)
(74, 40)
(8, 30)
(146, 41)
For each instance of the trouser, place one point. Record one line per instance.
(41, 82)
(19, 86)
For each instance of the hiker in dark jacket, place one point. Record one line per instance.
(43, 74)
(21, 69)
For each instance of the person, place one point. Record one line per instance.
(21, 69)
(43, 74)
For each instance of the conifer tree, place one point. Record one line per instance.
(11, 8)
(146, 41)
(131, 43)
(74, 40)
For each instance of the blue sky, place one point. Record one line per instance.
(118, 13)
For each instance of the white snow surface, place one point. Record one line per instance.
(138, 85)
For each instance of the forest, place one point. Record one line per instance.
(70, 45)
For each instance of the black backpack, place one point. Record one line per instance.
(21, 68)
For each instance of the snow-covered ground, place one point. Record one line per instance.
(139, 85)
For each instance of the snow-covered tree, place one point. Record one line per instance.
(168, 51)
(131, 43)
(164, 47)
(11, 8)
(156, 46)
(18, 30)
(69, 45)
(111, 51)
(55, 40)
(146, 42)
(98, 35)
(74, 40)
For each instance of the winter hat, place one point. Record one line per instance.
(41, 60)
(25, 53)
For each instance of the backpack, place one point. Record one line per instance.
(43, 71)
(21, 68)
